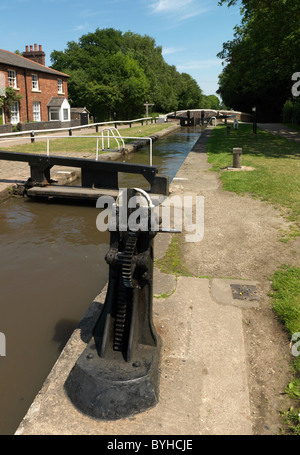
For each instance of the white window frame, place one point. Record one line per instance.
(36, 111)
(35, 82)
(12, 78)
(15, 112)
(65, 115)
(59, 86)
(54, 111)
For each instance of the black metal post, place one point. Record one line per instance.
(254, 120)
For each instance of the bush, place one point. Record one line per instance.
(291, 112)
(287, 112)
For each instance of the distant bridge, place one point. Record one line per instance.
(191, 117)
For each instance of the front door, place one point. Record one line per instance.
(84, 118)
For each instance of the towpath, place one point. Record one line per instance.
(281, 130)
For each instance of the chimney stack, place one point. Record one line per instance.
(36, 55)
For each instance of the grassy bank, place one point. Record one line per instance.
(276, 174)
(286, 304)
(275, 179)
(86, 144)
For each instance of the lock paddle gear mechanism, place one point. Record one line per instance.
(117, 375)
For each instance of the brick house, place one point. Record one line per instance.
(44, 90)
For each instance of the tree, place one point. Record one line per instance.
(111, 71)
(191, 95)
(7, 99)
(262, 57)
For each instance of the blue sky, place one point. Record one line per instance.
(190, 32)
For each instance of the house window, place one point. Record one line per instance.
(59, 86)
(12, 78)
(54, 114)
(35, 82)
(36, 112)
(66, 114)
(14, 112)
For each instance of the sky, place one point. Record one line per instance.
(190, 32)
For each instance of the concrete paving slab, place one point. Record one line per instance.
(203, 382)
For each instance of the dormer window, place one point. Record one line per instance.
(35, 82)
(59, 86)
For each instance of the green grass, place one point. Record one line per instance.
(286, 297)
(172, 262)
(276, 163)
(88, 143)
(286, 304)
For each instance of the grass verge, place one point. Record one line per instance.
(86, 144)
(276, 174)
(286, 304)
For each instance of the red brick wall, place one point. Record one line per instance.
(47, 87)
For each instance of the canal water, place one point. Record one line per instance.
(52, 267)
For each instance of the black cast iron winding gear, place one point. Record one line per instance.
(118, 373)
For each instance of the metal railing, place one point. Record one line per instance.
(111, 134)
(33, 132)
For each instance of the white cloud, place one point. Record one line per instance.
(77, 28)
(172, 50)
(198, 64)
(180, 9)
(169, 6)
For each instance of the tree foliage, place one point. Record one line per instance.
(262, 57)
(7, 99)
(114, 72)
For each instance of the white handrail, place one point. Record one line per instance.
(102, 136)
(90, 125)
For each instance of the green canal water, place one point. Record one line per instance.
(52, 267)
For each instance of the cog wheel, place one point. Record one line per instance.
(128, 266)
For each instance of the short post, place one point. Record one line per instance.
(70, 132)
(32, 136)
(254, 120)
(237, 157)
(97, 148)
(48, 147)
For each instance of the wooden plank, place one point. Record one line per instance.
(79, 193)
(70, 192)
